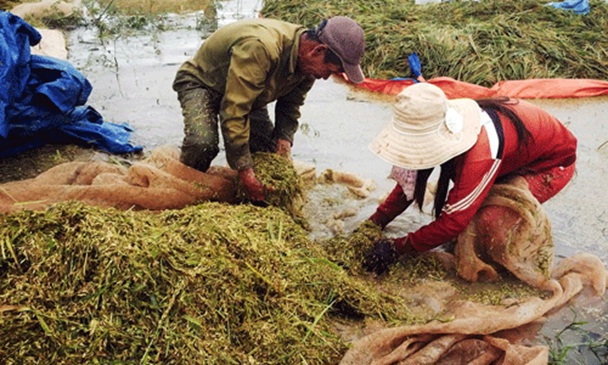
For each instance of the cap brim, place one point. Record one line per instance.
(354, 73)
(428, 150)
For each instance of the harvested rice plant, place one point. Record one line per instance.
(209, 284)
(213, 283)
(477, 42)
(276, 172)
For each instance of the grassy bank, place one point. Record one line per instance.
(478, 42)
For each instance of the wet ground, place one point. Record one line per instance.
(132, 76)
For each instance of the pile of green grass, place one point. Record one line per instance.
(478, 42)
(209, 284)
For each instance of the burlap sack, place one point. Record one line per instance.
(160, 181)
(510, 231)
(47, 8)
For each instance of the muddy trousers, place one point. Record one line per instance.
(512, 229)
(545, 184)
(497, 221)
(200, 109)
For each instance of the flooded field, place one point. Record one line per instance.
(132, 77)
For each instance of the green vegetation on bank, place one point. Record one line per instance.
(478, 42)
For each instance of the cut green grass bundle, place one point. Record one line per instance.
(278, 174)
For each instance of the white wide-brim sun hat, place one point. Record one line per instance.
(427, 129)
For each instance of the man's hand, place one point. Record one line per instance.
(284, 148)
(380, 257)
(253, 187)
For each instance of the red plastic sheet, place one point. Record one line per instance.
(523, 89)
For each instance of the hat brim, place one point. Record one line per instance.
(423, 151)
(354, 73)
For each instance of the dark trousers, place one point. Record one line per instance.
(200, 109)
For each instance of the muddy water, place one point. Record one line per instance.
(132, 76)
(579, 216)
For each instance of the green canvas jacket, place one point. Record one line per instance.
(252, 63)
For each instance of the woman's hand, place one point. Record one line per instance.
(380, 257)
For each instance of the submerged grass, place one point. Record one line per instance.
(478, 42)
(133, 7)
(592, 348)
(123, 18)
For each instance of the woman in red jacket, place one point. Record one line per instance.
(476, 143)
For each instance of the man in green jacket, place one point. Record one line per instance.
(246, 65)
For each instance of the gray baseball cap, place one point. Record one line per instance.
(345, 38)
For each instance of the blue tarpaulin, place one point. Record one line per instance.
(43, 99)
(576, 6)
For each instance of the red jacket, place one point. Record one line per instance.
(551, 145)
